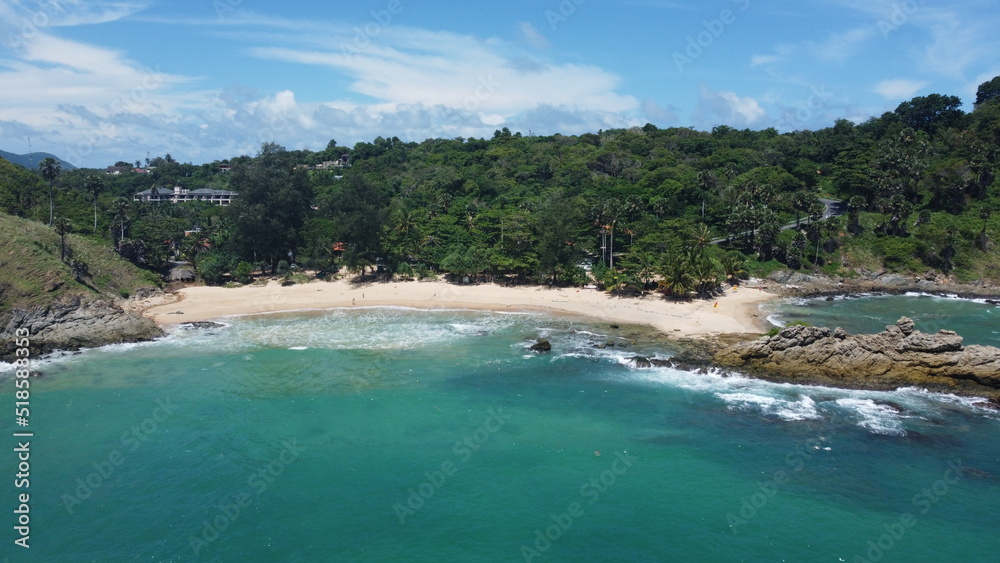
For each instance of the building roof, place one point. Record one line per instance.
(165, 192)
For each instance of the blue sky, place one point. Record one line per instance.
(96, 81)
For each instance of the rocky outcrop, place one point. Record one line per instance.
(74, 323)
(541, 345)
(899, 357)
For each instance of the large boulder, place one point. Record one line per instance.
(74, 323)
(898, 357)
(541, 345)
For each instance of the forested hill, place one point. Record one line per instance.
(920, 184)
(31, 160)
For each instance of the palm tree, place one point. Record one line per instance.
(94, 186)
(645, 264)
(734, 265)
(705, 272)
(855, 206)
(406, 222)
(50, 170)
(121, 209)
(62, 226)
(609, 212)
(701, 237)
(983, 241)
(801, 202)
(356, 262)
(676, 277)
(706, 181)
(431, 240)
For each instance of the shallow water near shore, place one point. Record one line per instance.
(396, 435)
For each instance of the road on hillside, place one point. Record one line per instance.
(834, 208)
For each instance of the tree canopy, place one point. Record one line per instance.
(632, 205)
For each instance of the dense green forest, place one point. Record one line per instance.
(627, 208)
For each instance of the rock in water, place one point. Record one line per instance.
(541, 346)
(202, 324)
(901, 356)
(640, 362)
(72, 324)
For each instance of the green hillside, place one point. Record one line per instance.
(31, 272)
(676, 209)
(30, 161)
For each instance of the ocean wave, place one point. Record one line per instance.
(380, 328)
(876, 417)
(776, 320)
(879, 412)
(935, 402)
(802, 408)
(60, 357)
(948, 297)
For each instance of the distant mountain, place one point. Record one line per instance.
(30, 161)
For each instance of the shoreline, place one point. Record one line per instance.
(808, 286)
(735, 311)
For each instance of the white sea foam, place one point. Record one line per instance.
(380, 328)
(776, 320)
(934, 403)
(878, 418)
(865, 408)
(58, 357)
(802, 408)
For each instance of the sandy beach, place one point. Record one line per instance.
(735, 311)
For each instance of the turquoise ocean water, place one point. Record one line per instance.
(397, 435)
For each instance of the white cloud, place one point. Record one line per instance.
(725, 108)
(409, 82)
(91, 12)
(76, 98)
(841, 46)
(945, 38)
(410, 66)
(956, 43)
(30, 17)
(659, 115)
(899, 88)
(531, 36)
(548, 119)
(761, 60)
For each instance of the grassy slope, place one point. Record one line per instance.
(32, 274)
